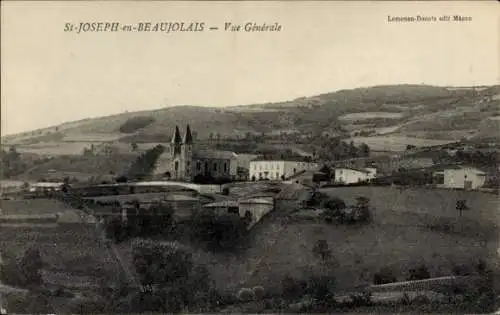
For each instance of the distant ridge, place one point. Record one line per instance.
(416, 103)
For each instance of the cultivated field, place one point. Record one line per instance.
(369, 115)
(395, 143)
(72, 248)
(55, 148)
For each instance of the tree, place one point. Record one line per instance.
(461, 206)
(145, 163)
(170, 280)
(419, 273)
(365, 150)
(327, 170)
(335, 204)
(30, 265)
(219, 231)
(321, 250)
(385, 275)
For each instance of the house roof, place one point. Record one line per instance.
(188, 138)
(353, 169)
(211, 154)
(45, 184)
(285, 159)
(256, 201)
(176, 138)
(473, 168)
(222, 204)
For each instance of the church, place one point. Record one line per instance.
(182, 161)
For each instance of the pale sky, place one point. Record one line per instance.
(49, 76)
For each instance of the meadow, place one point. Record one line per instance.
(72, 248)
(404, 233)
(395, 143)
(400, 237)
(369, 115)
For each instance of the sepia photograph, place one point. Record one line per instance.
(250, 157)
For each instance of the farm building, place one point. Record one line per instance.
(11, 186)
(309, 178)
(253, 209)
(45, 186)
(347, 175)
(461, 177)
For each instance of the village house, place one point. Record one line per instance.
(460, 177)
(345, 175)
(45, 186)
(264, 169)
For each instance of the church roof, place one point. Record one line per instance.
(210, 154)
(176, 138)
(188, 138)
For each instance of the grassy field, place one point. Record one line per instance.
(395, 143)
(398, 238)
(368, 115)
(74, 248)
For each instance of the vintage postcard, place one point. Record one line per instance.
(249, 157)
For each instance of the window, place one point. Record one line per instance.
(225, 167)
(198, 165)
(215, 167)
(176, 165)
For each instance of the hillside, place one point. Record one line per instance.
(417, 111)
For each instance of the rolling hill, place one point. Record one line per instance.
(419, 111)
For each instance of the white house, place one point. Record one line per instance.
(461, 177)
(46, 186)
(347, 175)
(278, 169)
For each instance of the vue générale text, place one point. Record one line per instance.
(169, 27)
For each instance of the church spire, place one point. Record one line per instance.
(176, 138)
(188, 138)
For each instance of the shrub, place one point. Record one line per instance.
(258, 292)
(145, 163)
(461, 270)
(419, 273)
(135, 123)
(361, 299)
(245, 295)
(166, 269)
(335, 204)
(224, 231)
(321, 250)
(321, 288)
(121, 179)
(29, 266)
(385, 275)
(292, 288)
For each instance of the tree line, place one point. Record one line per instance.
(145, 163)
